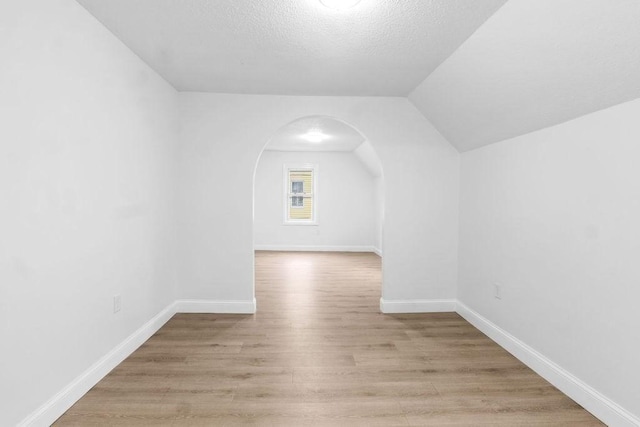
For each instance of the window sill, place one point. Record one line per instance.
(305, 223)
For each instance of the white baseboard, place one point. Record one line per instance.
(377, 251)
(206, 306)
(600, 406)
(593, 401)
(311, 248)
(63, 400)
(417, 306)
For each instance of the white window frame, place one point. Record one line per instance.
(286, 206)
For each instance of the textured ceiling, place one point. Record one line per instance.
(480, 70)
(534, 64)
(339, 136)
(296, 47)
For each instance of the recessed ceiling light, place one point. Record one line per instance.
(314, 136)
(339, 4)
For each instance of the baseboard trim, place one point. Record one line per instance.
(311, 248)
(63, 400)
(377, 251)
(417, 306)
(213, 306)
(600, 406)
(593, 401)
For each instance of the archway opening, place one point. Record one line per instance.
(318, 189)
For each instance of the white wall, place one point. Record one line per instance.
(222, 137)
(554, 217)
(87, 155)
(345, 203)
(379, 213)
(86, 171)
(369, 158)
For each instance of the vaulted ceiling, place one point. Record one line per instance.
(333, 135)
(534, 64)
(479, 70)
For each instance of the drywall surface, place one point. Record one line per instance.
(293, 47)
(552, 217)
(345, 202)
(369, 158)
(86, 146)
(534, 64)
(222, 137)
(379, 213)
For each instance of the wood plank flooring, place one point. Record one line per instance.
(319, 353)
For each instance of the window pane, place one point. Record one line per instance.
(297, 201)
(297, 187)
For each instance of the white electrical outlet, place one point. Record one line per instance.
(497, 290)
(117, 303)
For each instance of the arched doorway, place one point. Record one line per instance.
(318, 186)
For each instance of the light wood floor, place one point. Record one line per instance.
(319, 353)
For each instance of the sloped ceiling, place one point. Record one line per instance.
(534, 64)
(293, 47)
(480, 70)
(338, 136)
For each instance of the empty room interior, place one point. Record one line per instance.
(320, 212)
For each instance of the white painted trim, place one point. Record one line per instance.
(300, 222)
(593, 401)
(65, 398)
(310, 248)
(212, 306)
(377, 251)
(417, 306)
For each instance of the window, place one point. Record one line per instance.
(297, 194)
(300, 197)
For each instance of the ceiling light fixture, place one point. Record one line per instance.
(314, 136)
(340, 4)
